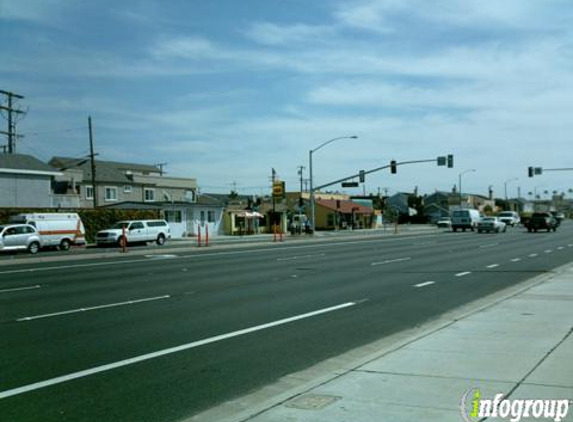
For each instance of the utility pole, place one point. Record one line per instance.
(161, 165)
(11, 133)
(92, 160)
(300, 169)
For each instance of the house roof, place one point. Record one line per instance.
(24, 162)
(346, 207)
(106, 171)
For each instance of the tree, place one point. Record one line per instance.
(488, 210)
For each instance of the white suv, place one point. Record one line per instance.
(14, 237)
(135, 231)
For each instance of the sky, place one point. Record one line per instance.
(226, 90)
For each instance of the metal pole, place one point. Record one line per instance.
(92, 158)
(460, 186)
(311, 192)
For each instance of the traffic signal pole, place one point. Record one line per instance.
(364, 173)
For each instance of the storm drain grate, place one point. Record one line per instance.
(312, 402)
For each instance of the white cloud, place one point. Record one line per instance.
(282, 35)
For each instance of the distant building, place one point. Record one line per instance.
(25, 182)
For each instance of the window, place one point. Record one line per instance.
(156, 223)
(149, 195)
(127, 189)
(89, 192)
(211, 216)
(173, 216)
(136, 226)
(110, 193)
(202, 216)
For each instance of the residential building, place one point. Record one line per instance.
(334, 214)
(25, 182)
(117, 182)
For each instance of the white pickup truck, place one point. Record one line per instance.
(135, 231)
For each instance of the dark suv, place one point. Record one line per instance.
(541, 221)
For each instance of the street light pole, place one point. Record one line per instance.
(505, 185)
(460, 182)
(311, 199)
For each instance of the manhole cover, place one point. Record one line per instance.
(312, 402)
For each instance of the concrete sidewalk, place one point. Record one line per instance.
(517, 342)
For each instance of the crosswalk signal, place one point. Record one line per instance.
(393, 169)
(450, 161)
(530, 171)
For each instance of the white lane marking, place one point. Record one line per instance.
(489, 245)
(390, 261)
(291, 258)
(210, 254)
(561, 248)
(548, 251)
(492, 266)
(165, 256)
(148, 356)
(92, 308)
(570, 244)
(462, 274)
(17, 289)
(516, 260)
(427, 283)
(533, 255)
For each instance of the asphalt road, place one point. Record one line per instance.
(162, 338)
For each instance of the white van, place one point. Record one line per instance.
(55, 229)
(135, 231)
(465, 219)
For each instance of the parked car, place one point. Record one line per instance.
(465, 219)
(19, 237)
(135, 231)
(511, 218)
(55, 229)
(444, 222)
(541, 221)
(491, 224)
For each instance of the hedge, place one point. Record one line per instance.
(94, 219)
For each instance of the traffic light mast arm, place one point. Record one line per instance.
(354, 176)
(563, 169)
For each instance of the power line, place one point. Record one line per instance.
(56, 131)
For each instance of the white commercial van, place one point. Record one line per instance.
(55, 229)
(465, 219)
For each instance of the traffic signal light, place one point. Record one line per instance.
(362, 176)
(393, 169)
(530, 171)
(450, 161)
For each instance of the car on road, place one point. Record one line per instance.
(444, 222)
(511, 218)
(541, 221)
(465, 219)
(19, 237)
(135, 231)
(491, 224)
(558, 216)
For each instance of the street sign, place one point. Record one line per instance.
(349, 184)
(279, 191)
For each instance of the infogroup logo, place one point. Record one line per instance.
(474, 407)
